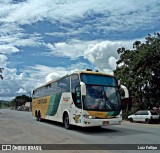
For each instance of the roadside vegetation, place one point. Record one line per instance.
(16, 102)
(4, 104)
(20, 101)
(139, 70)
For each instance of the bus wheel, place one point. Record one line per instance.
(36, 115)
(39, 117)
(66, 121)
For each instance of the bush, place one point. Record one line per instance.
(134, 109)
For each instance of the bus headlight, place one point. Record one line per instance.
(89, 116)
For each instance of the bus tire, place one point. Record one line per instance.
(66, 121)
(36, 115)
(39, 117)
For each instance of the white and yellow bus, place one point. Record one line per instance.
(84, 98)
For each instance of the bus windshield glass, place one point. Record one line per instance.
(101, 93)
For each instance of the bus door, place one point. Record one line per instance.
(77, 106)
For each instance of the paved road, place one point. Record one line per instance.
(18, 127)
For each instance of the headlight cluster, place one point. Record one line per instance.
(89, 116)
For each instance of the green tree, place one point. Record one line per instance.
(20, 100)
(139, 69)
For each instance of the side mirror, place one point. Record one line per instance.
(83, 89)
(125, 91)
(119, 82)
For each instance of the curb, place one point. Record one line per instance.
(140, 123)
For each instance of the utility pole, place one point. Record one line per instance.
(1, 69)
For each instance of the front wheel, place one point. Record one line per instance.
(147, 120)
(66, 121)
(131, 119)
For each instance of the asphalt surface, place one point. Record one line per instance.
(17, 127)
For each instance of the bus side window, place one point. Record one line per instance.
(74, 82)
(64, 84)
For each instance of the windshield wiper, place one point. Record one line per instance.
(109, 104)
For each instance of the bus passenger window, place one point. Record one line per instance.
(74, 82)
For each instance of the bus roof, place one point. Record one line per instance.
(92, 72)
(76, 72)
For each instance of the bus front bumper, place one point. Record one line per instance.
(101, 122)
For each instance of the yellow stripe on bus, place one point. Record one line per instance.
(100, 114)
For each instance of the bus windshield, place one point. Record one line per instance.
(101, 98)
(101, 93)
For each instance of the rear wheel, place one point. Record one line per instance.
(36, 115)
(39, 117)
(131, 119)
(66, 121)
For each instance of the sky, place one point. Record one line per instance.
(41, 40)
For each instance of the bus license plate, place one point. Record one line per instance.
(105, 122)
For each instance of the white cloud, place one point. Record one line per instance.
(32, 11)
(10, 42)
(112, 16)
(43, 74)
(11, 83)
(72, 49)
(14, 84)
(3, 60)
(130, 12)
(7, 49)
(19, 39)
(52, 76)
(21, 91)
(112, 62)
(9, 29)
(23, 13)
(103, 54)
